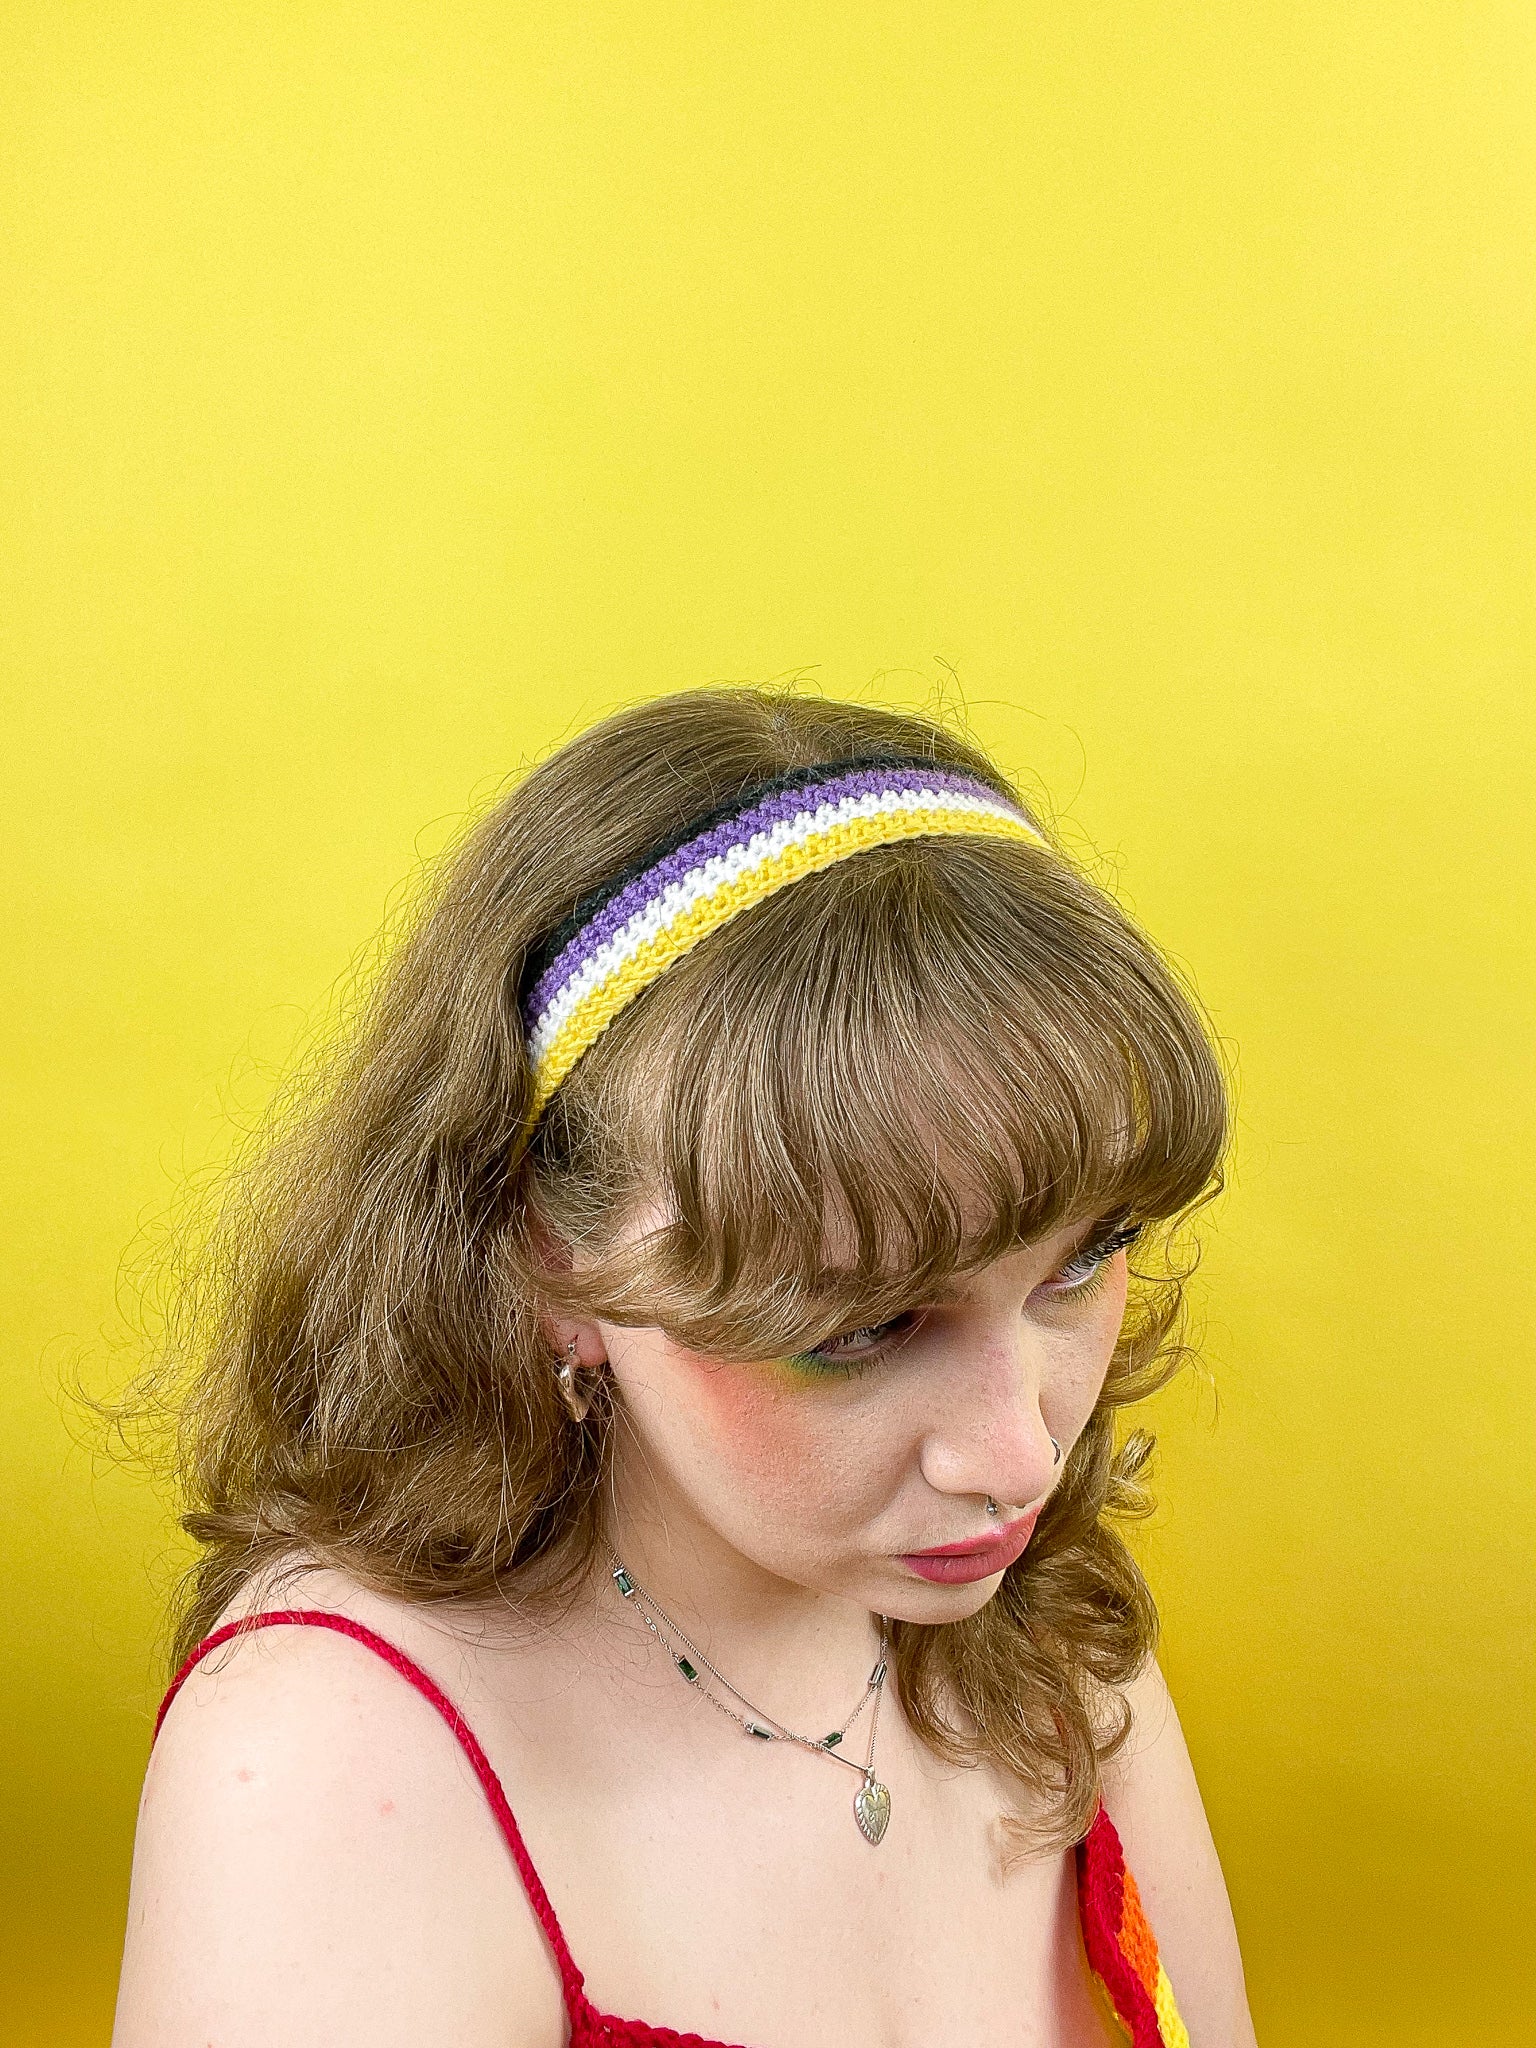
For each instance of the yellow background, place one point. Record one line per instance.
(389, 390)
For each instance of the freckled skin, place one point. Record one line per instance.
(822, 1481)
(758, 1419)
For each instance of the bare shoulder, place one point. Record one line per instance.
(316, 1863)
(1154, 1800)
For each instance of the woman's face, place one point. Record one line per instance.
(831, 1470)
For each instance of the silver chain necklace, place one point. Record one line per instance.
(872, 1801)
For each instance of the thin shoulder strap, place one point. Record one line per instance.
(490, 1784)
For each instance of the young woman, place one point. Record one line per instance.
(653, 1444)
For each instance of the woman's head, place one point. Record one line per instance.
(935, 1076)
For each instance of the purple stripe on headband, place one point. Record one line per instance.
(735, 831)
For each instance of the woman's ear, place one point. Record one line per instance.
(548, 1250)
(543, 1252)
(578, 1344)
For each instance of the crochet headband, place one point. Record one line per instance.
(625, 933)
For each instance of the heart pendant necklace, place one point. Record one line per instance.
(872, 1801)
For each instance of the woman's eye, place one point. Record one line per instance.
(1079, 1274)
(855, 1349)
(1076, 1278)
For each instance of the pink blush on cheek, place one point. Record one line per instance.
(757, 1419)
(779, 1460)
(746, 1400)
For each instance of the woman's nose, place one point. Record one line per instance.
(987, 1433)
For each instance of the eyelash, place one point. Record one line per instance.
(1100, 1251)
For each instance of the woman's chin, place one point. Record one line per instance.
(912, 1599)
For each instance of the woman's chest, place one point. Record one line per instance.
(744, 1905)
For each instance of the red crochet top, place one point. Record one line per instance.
(1118, 1940)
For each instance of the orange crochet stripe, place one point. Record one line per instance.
(1122, 1952)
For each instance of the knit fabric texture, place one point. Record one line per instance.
(1121, 1950)
(637, 926)
(1119, 1943)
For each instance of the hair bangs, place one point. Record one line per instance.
(897, 1071)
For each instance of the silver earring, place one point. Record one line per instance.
(1056, 1447)
(570, 1393)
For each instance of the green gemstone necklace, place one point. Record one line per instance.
(872, 1801)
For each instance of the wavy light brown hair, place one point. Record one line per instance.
(889, 1073)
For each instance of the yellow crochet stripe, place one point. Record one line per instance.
(1171, 2029)
(1169, 2023)
(598, 1008)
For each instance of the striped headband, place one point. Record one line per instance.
(627, 932)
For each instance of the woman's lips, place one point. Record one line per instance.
(961, 1564)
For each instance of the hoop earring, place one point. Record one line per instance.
(1056, 1447)
(565, 1378)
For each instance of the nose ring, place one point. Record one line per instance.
(992, 1506)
